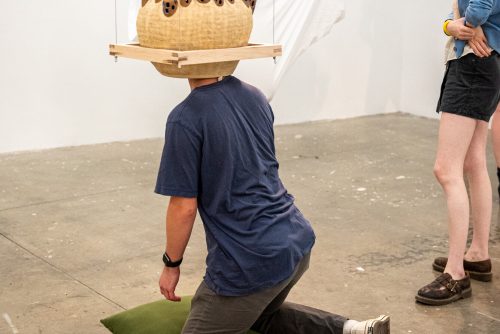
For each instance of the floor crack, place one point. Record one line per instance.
(62, 271)
(66, 199)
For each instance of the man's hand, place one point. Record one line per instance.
(479, 43)
(459, 30)
(168, 282)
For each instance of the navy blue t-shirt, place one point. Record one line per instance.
(219, 148)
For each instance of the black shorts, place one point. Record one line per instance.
(471, 87)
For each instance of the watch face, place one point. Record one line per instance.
(166, 259)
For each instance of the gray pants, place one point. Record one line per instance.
(265, 312)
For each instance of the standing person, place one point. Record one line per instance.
(219, 158)
(469, 96)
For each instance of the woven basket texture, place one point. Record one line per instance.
(197, 26)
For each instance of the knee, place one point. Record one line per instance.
(474, 164)
(444, 175)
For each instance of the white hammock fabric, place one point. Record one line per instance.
(298, 24)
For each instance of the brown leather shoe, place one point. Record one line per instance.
(478, 270)
(444, 290)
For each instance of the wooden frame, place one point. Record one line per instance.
(195, 57)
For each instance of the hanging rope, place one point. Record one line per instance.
(180, 30)
(116, 28)
(274, 21)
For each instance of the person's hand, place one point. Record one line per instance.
(168, 282)
(479, 43)
(459, 30)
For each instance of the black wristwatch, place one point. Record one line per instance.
(169, 263)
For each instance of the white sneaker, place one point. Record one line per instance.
(380, 325)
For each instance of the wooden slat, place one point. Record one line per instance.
(135, 51)
(230, 54)
(182, 58)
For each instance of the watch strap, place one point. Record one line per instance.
(169, 263)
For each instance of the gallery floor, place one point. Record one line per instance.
(81, 231)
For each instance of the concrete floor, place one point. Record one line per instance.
(81, 231)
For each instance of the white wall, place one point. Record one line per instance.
(423, 56)
(58, 87)
(353, 72)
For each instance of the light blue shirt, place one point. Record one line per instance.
(484, 13)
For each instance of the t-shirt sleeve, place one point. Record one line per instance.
(179, 172)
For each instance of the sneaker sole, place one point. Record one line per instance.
(483, 277)
(438, 302)
(381, 325)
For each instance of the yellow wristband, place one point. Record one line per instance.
(445, 27)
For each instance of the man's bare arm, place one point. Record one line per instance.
(181, 214)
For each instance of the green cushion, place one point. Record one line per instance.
(161, 317)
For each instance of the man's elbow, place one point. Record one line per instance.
(186, 207)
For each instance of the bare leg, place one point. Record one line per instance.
(455, 136)
(480, 193)
(495, 129)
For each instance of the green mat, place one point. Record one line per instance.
(161, 317)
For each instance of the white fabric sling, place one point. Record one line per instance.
(298, 24)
